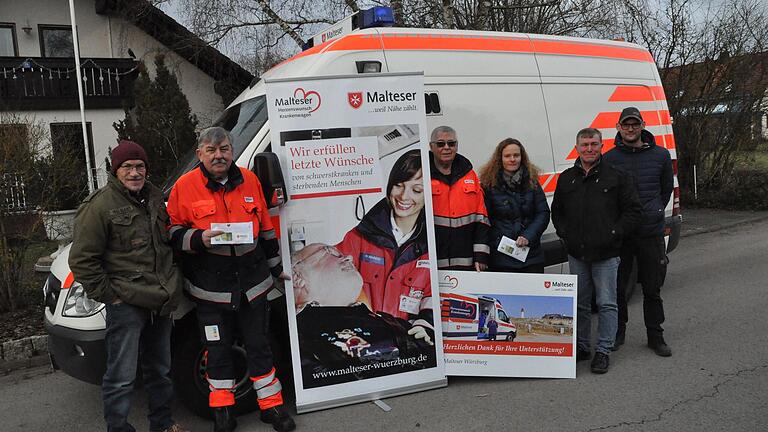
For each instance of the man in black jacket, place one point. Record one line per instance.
(594, 205)
(636, 153)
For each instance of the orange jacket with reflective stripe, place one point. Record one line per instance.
(461, 220)
(221, 273)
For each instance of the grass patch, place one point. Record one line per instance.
(757, 160)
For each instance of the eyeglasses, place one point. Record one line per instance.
(316, 255)
(441, 143)
(629, 126)
(130, 167)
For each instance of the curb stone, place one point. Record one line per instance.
(24, 353)
(19, 349)
(719, 227)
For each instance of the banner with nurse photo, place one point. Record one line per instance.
(509, 325)
(357, 237)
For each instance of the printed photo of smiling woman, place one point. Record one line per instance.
(389, 249)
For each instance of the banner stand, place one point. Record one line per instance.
(357, 237)
(318, 406)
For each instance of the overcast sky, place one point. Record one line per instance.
(171, 8)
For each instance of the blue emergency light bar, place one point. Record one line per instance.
(379, 16)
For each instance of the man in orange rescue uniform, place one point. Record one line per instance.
(461, 220)
(229, 273)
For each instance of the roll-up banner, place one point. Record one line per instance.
(357, 237)
(509, 325)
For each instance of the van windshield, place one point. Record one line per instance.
(243, 121)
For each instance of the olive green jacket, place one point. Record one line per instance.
(120, 248)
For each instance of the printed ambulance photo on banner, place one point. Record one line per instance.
(363, 298)
(512, 318)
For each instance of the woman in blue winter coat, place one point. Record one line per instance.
(516, 206)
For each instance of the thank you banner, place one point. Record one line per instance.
(509, 324)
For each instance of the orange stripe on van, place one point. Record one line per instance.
(608, 143)
(669, 141)
(455, 43)
(356, 43)
(665, 117)
(608, 120)
(552, 184)
(637, 94)
(423, 41)
(590, 50)
(309, 52)
(510, 44)
(68, 281)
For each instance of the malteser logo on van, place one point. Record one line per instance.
(389, 101)
(355, 99)
(330, 34)
(301, 104)
(547, 284)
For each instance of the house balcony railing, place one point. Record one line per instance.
(51, 83)
(13, 194)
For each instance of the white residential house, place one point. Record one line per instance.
(38, 80)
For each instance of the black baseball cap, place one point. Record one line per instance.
(630, 112)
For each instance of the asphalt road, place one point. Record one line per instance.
(716, 299)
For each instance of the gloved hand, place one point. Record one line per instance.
(419, 332)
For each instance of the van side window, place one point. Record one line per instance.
(432, 103)
(502, 316)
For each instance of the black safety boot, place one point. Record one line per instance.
(659, 346)
(279, 418)
(223, 420)
(600, 363)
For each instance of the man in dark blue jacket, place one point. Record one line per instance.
(636, 153)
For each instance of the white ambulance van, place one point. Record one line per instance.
(487, 86)
(466, 316)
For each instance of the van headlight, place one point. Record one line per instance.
(77, 303)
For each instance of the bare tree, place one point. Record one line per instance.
(283, 24)
(712, 61)
(231, 23)
(352, 5)
(32, 178)
(448, 17)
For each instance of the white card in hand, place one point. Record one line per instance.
(507, 246)
(234, 233)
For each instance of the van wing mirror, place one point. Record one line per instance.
(266, 166)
